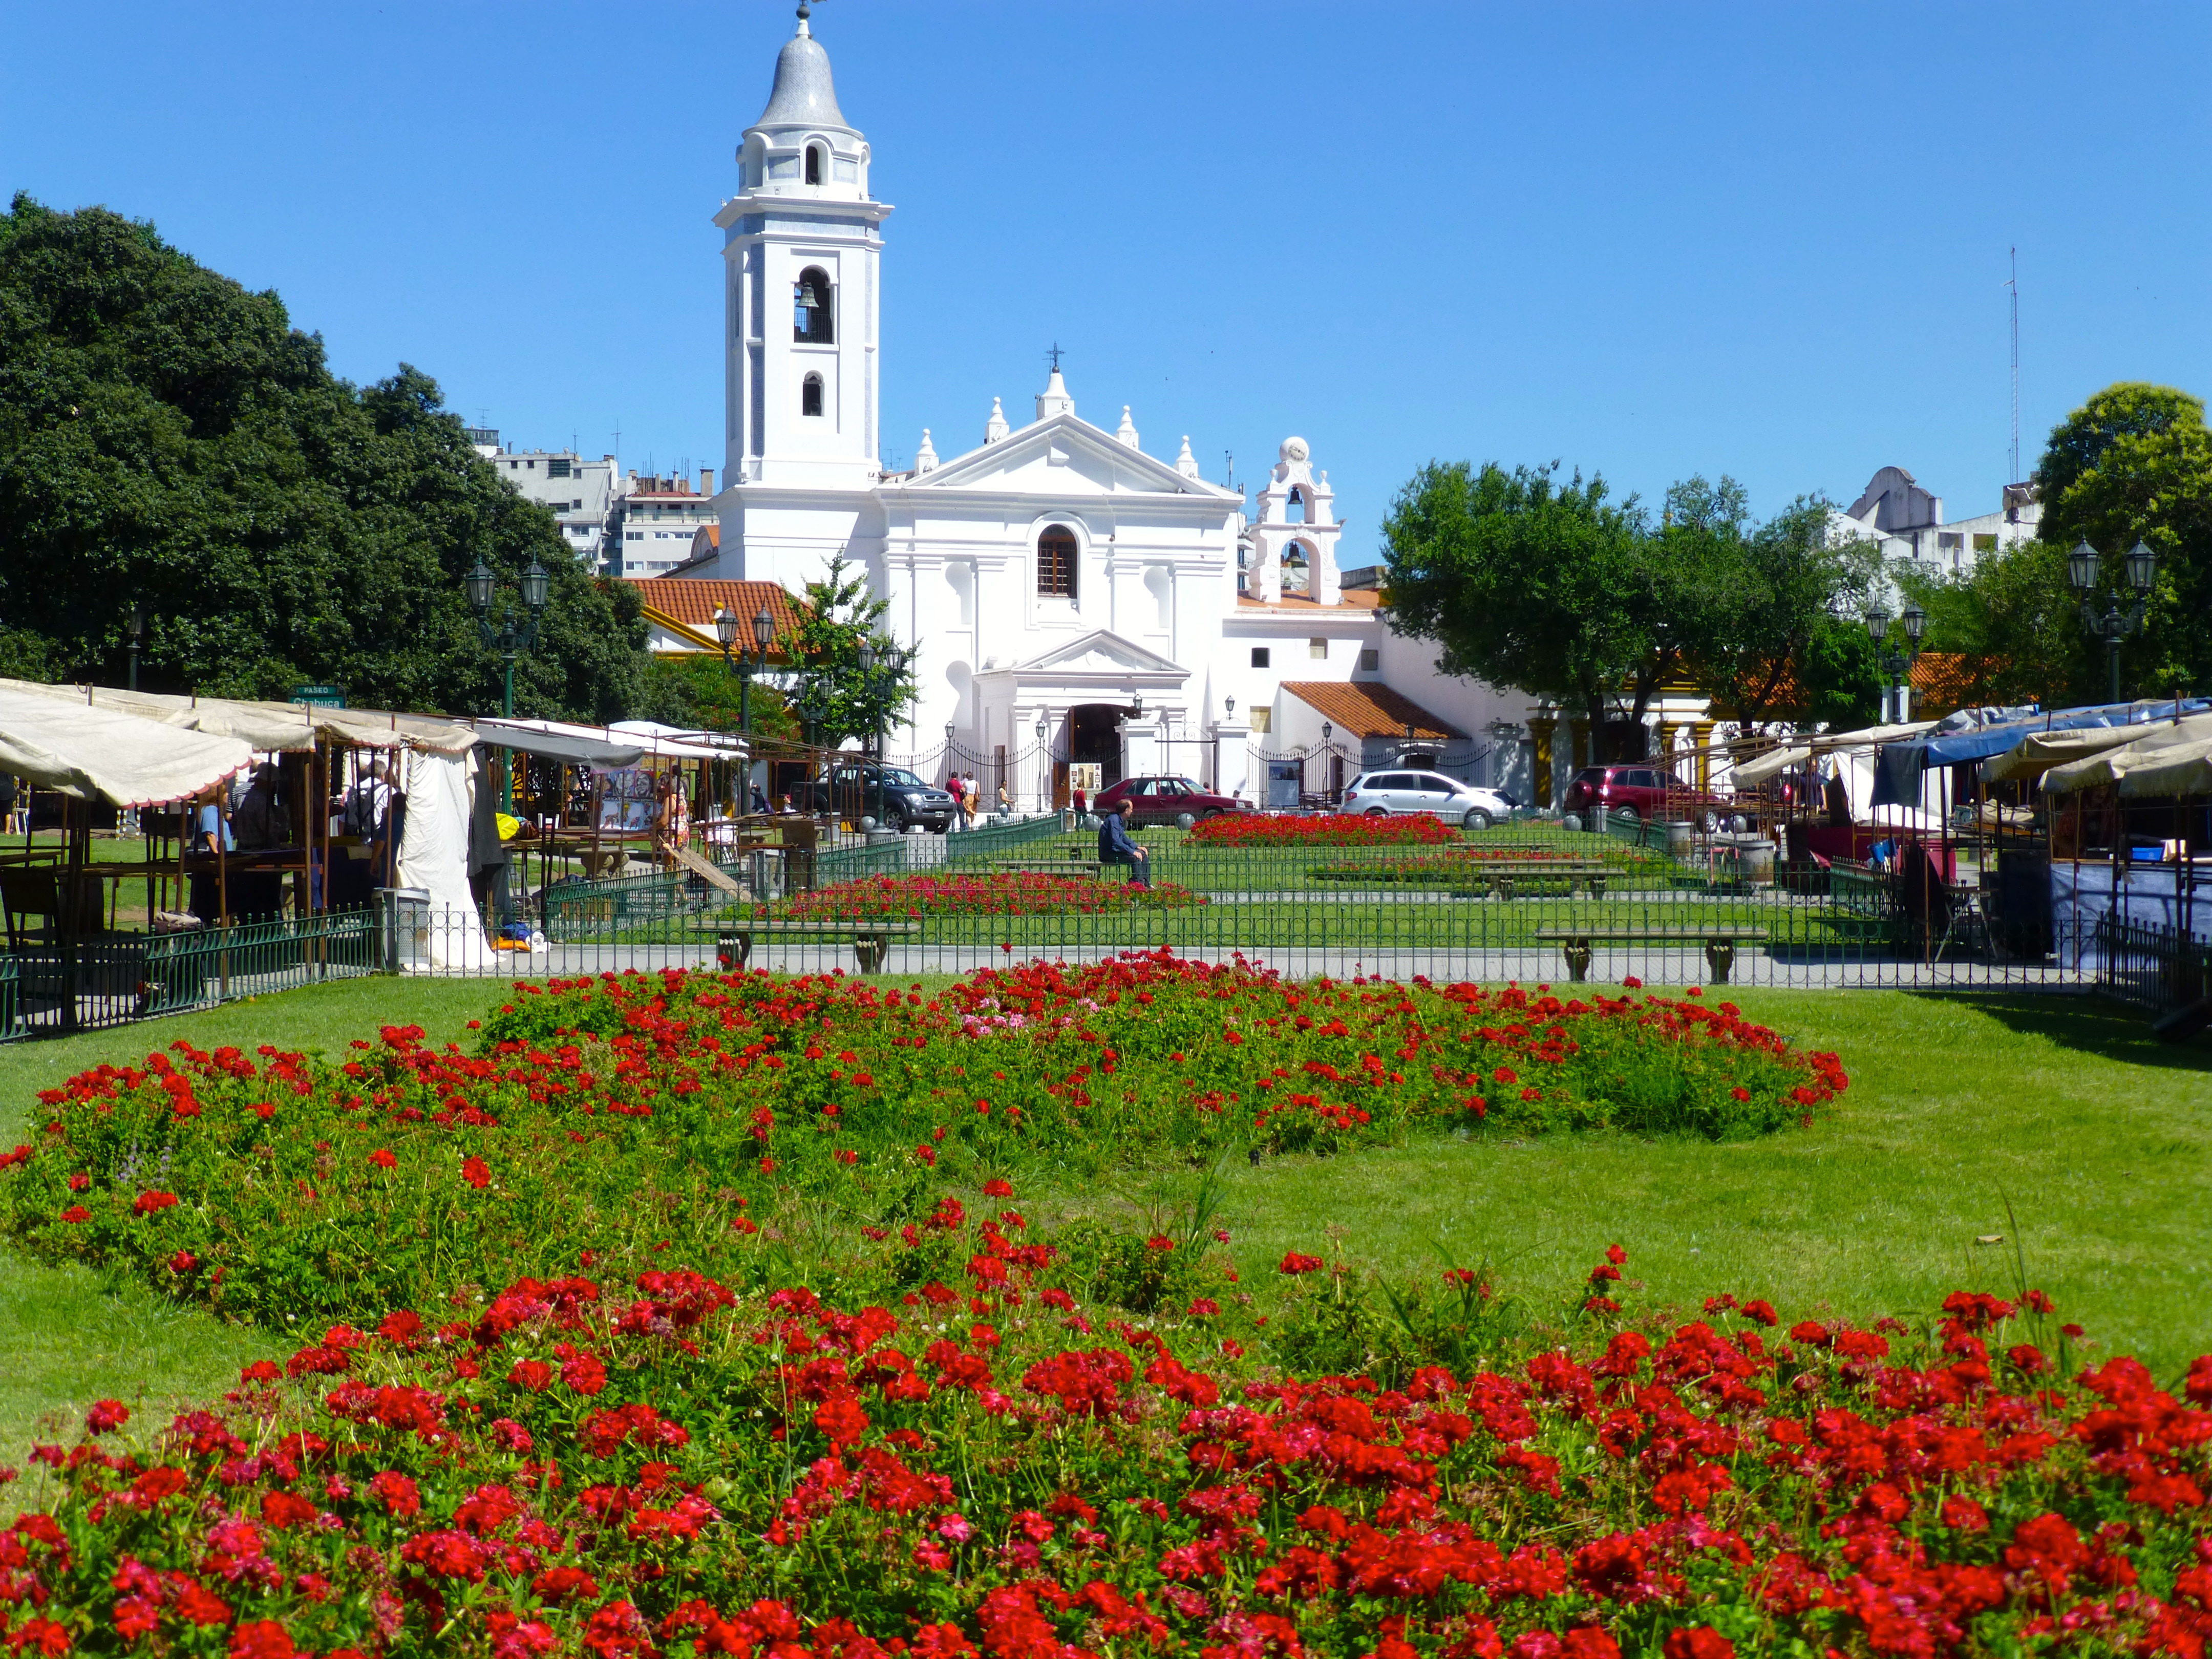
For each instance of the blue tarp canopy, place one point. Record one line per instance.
(1899, 765)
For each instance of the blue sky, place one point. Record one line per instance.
(1765, 240)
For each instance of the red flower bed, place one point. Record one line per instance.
(1005, 893)
(990, 1468)
(1319, 829)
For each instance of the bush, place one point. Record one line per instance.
(666, 1465)
(1319, 829)
(1007, 893)
(635, 1117)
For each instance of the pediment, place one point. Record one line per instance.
(1063, 455)
(1101, 652)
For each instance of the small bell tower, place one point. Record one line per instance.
(1294, 540)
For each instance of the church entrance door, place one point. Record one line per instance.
(1094, 737)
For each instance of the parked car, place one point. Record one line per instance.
(1165, 800)
(895, 796)
(1384, 794)
(1645, 794)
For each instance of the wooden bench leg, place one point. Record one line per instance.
(1720, 957)
(1578, 953)
(869, 950)
(740, 949)
(1505, 887)
(1597, 887)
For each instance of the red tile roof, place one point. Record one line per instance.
(1363, 709)
(689, 603)
(1353, 598)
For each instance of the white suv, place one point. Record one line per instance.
(1385, 794)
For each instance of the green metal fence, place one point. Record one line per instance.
(999, 841)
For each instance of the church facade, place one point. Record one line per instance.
(1081, 609)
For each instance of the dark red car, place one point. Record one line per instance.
(1649, 794)
(1165, 800)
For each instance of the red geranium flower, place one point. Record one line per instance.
(1294, 1263)
(147, 1203)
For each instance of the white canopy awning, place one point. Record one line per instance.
(1795, 751)
(270, 727)
(623, 736)
(2169, 759)
(109, 753)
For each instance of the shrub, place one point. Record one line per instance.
(666, 1466)
(1319, 829)
(1007, 893)
(637, 1117)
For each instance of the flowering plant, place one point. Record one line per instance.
(668, 1466)
(1319, 829)
(640, 1115)
(1003, 893)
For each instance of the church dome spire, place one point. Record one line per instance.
(803, 95)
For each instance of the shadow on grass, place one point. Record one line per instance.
(2087, 1024)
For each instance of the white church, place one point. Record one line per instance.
(1082, 610)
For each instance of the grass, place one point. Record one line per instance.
(68, 1337)
(2100, 1138)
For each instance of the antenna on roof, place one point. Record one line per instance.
(2012, 284)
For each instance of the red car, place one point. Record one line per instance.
(1165, 800)
(1648, 793)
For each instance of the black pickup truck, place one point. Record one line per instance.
(893, 796)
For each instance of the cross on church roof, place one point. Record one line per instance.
(1053, 355)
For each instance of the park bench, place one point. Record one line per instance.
(1049, 866)
(871, 940)
(1720, 943)
(1498, 876)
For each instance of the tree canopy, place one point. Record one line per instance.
(170, 439)
(2133, 463)
(1554, 589)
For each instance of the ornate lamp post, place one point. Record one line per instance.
(744, 664)
(511, 638)
(137, 627)
(1896, 665)
(1228, 713)
(1329, 755)
(2083, 566)
(1043, 730)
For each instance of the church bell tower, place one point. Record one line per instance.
(801, 249)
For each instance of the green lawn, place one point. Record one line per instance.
(2101, 1138)
(66, 1337)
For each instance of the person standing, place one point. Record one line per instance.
(972, 801)
(955, 788)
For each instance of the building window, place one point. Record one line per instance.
(1317, 649)
(814, 164)
(811, 304)
(1260, 719)
(1056, 551)
(1371, 660)
(558, 467)
(1262, 657)
(1985, 544)
(810, 395)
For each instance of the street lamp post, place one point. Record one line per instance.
(2083, 566)
(511, 638)
(1896, 665)
(1044, 764)
(137, 629)
(744, 664)
(1328, 759)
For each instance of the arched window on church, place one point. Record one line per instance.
(813, 303)
(1297, 572)
(1297, 507)
(810, 395)
(1056, 552)
(814, 164)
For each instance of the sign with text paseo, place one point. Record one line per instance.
(319, 697)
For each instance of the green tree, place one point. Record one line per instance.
(698, 692)
(838, 618)
(2134, 463)
(1524, 580)
(2011, 623)
(167, 438)
(1774, 591)
(1554, 589)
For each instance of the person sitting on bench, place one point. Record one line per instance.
(1115, 845)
